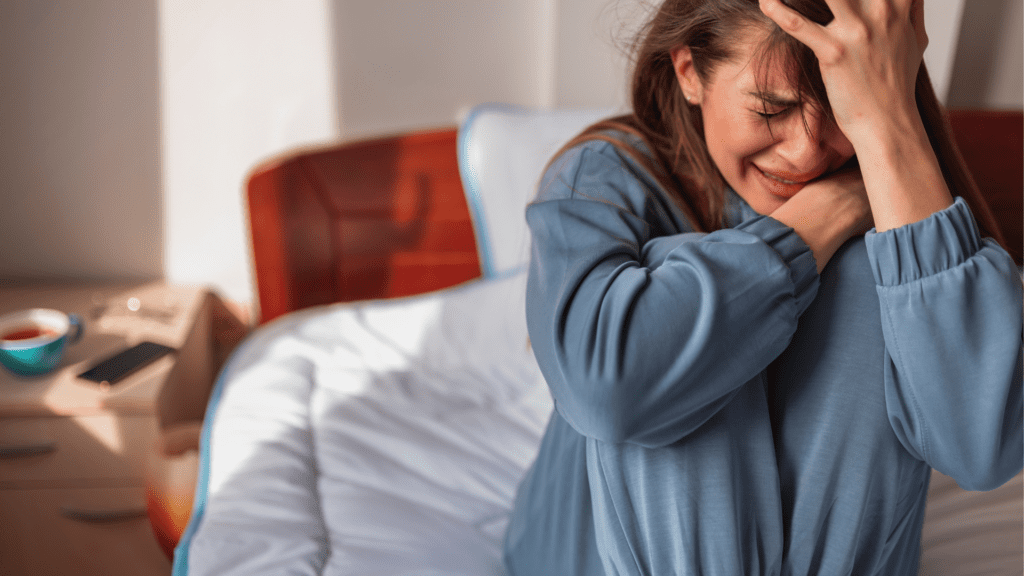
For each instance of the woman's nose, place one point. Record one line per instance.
(803, 144)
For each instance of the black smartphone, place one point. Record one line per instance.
(115, 368)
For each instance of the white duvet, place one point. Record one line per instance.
(380, 438)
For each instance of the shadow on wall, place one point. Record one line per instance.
(988, 70)
(80, 147)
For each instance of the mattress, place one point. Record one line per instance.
(378, 438)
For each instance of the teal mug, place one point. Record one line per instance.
(32, 341)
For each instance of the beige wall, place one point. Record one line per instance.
(128, 126)
(591, 51)
(80, 189)
(989, 65)
(407, 64)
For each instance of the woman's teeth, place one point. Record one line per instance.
(777, 179)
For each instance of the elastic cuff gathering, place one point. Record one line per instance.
(797, 255)
(920, 249)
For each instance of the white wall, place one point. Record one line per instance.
(592, 40)
(240, 80)
(129, 126)
(409, 64)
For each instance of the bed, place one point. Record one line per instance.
(380, 418)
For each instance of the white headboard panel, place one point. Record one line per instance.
(502, 151)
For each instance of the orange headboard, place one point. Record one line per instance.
(388, 217)
(371, 219)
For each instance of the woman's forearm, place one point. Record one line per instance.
(902, 176)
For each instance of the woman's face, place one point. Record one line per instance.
(766, 144)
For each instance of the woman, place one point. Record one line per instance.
(763, 306)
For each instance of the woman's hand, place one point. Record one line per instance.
(869, 55)
(842, 196)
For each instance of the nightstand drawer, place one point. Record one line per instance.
(59, 451)
(101, 531)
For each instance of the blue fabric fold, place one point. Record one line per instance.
(942, 241)
(796, 254)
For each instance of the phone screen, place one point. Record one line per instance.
(115, 368)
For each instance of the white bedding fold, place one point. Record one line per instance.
(378, 438)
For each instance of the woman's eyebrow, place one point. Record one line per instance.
(773, 99)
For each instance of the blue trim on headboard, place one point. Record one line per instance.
(472, 190)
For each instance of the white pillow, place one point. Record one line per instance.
(502, 151)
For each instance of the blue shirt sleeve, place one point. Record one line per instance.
(951, 305)
(643, 328)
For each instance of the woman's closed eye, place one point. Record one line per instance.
(769, 105)
(768, 115)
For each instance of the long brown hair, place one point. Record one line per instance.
(673, 130)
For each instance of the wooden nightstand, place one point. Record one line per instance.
(73, 453)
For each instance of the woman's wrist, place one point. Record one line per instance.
(902, 176)
(824, 220)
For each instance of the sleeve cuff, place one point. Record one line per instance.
(920, 249)
(795, 253)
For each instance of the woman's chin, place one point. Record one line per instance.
(761, 200)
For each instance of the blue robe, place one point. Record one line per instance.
(721, 409)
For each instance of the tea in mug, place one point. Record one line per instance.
(28, 332)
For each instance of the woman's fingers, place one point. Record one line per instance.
(811, 33)
(869, 55)
(844, 9)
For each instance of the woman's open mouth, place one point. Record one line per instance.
(783, 185)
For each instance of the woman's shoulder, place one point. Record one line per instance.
(601, 162)
(607, 145)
